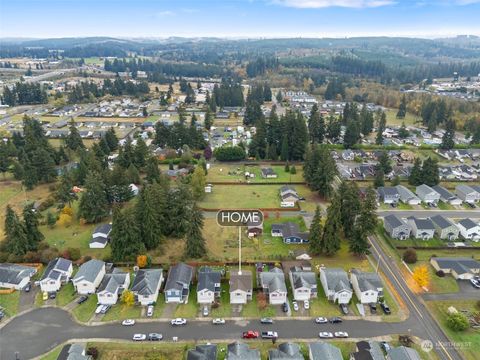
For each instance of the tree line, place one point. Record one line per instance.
(23, 93)
(86, 90)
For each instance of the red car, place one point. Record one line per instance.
(250, 334)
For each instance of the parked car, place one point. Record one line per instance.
(269, 335)
(266, 320)
(335, 320)
(82, 299)
(325, 335)
(306, 304)
(386, 346)
(149, 310)
(344, 309)
(341, 334)
(27, 287)
(373, 308)
(52, 295)
(45, 296)
(99, 309)
(250, 334)
(321, 320)
(295, 306)
(385, 308)
(105, 309)
(205, 311)
(139, 337)
(128, 322)
(475, 282)
(285, 307)
(178, 321)
(218, 321)
(155, 337)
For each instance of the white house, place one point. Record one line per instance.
(89, 277)
(146, 285)
(13, 276)
(273, 285)
(208, 287)
(58, 272)
(336, 285)
(469, 229)
(241, 288)
(112, 287)
(304, 284)
(368, 286)
(100, 236)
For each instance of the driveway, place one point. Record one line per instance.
(169, 310)
(27, 299)
(466, 292)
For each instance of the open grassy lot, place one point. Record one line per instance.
(410, 119)
(9, 302)
(85, 311)
(468, 341)
(236, 173)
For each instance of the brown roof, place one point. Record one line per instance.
(241, 282)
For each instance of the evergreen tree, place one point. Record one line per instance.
(284, 154)
(402, 110)
(316, 126)
(333, 226)
(379, 179)
(416, 177)
(93, 205)
(74, 141)
(16, 240)
(198, 182)
(351, 206)
(359, 243)
(149, 215)
(132, 175)
(31, 223)
(125, 236)
(352, 134)
(316, 232)
(320, 170)
(140, 153)
(177, 212)
(258, 145)
(152, 172)
(208, 119)
(195, 244)
(448, 139)
(111, 139)
(403, 133)
(367, 220)
(382, 124)
(430, 175)
(384, 163)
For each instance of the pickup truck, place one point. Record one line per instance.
(250, 334)
(269, 335)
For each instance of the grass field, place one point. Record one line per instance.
(53, 355)
(236, 173)
(410, 119)
(9, 302)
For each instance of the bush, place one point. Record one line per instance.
(229, 153)
(49, 202)
(457, 322)
(293, 171)
(410, 256)
(93, 352)
(74, 253)
(287, 167)
(440, 273)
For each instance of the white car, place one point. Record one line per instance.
(321, 320)
(295, 306)
(218, 321)
(139, 337)
(325, 335)
(475, 283)
(128, 322)
(99, 309)
(178, 321)
(149, 310)
(306, 304)
(341, 334)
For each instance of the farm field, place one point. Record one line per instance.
(236, 173)
(244, 196)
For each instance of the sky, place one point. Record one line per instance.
(238, 18)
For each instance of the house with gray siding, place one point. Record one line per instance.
(467, 194)
(336, 285)
(177, 287)
(445, 228)
(396, 227)
(388, 195)
(421, 228)
(446, 196)
(427, 194)
(407, 196)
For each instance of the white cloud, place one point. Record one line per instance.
(165, 13)
(467, 2)
(316, 4)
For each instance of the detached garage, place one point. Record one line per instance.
(460, 268)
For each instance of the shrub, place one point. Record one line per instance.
(74, 253)
(93, 352)
(293, 171)
(457, 322)
(287, 167)
(262, 301)
(440, 273)
(410, 256)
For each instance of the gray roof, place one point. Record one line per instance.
(368, 280)
(286, 351)
(287, 189)
(460, 265)
(112, 282)
(465, 189)
(268, 171)
(422, 224)
(425, 190)
(289, 229)
(99, 239)
(207, 278)
(324, 351)
(104, 229)
(241, 282)
(468, 223)
(146, 281)
(89, 270)
(179, 275)
(241, 351)
(303, 278)
(394, 221)
(403, 353)
(444, 193)
(55, 268)
(337, 279)
(441, 221)
(203, 352)
(405, 193)
(274, 280)
(387, 191)
(73, 352)
(14, 274)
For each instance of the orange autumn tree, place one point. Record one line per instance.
(421, 275)
(142, 261)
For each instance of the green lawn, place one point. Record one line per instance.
(410, 119)
(252, 310)
(85, 311)
(236, 173)
(159, 306)
(8, 190)
(122, 312)
(469, 340)
(66, 294)
(9, 302)
(53, 355)
(225, 309)
(189, 310)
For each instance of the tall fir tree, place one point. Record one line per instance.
(320, 170)
(74, 141)
(416, 178)
(16, 240)
(333, 225)
(351, 206)
(152, 171)
(149, 215)
(125, 237)
(316, 232)
(93, 205)
(195, 242)
(31, 223)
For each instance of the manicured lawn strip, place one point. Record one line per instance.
(469, 337)
(39, 299)
(9, 302)
(66, 294)
(225, 309)
(251, 309)
(116, 351)
(53, 355)
(85, 311)
(189, 310)
(159, 306)
(121, 312)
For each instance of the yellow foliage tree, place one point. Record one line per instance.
(64, 219)
(67, 210)
(421, 275)
(142, 261)
(128, 298)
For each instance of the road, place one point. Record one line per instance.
(419, 314)
(40, 330)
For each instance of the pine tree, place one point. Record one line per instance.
(333, 225)
(132, 175)
(367, 220)
(125, 236)
(198, 182)
(430, 175)
(382, 123)
(208, 119)
(284, 154)
(448, 139)
(74, 141)
(140, 153)
(316, 232)
(384, 163)
(152, 171)
(320, 170)
(379, 179)
(416, 177)
(402, 110)
(359, 243)
(149, 215)
(350, 200)
(111, 139)
(31, 223)
(352, 134)
(93, 205)
(16, 241)
(195, 244)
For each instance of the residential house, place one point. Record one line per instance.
(73, 352)
(268, 173)
(13, 276)
(407, 196)
(146, 285)
(241, 288)
(396, 227)
(112, 287)
(469, 229)
(290, 232)
(100, 236)
(57, 273)
(421, 228)
(463, 268)
(388, 195)
(178, 283)
(446, 196)
(427, 194)
(304, 283)
(467, 194)
(273, 285)
(336, 285)
(208, 287)
(445, 228)
(254, 229)
(89, 277)
(403, 353)
(203, 352)
(368, 286)
(367, 350)
(288, 350)
(301, 255)
(324, 351)
(289, 196)
(241, 351)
